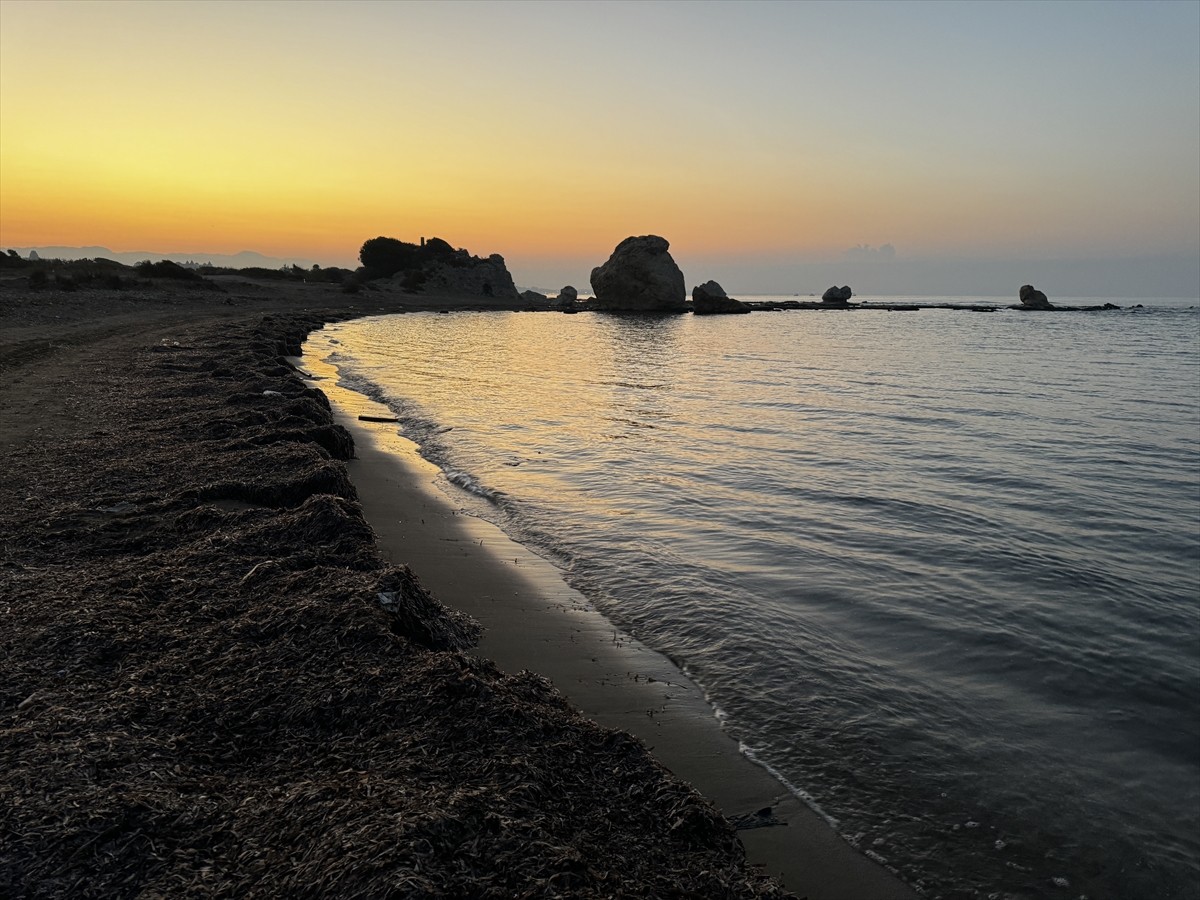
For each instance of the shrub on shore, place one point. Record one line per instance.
(13, 260)
(167, 269)
(328, 275)
(72, 274)
(164, 268)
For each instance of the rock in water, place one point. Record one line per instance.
(710, 290)
(567, 296)
(710, 299)
(534, 297)
(1032, 298)
(837, 296)
(640, 276)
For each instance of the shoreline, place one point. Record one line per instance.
(212, 682)
(214, 677)
(533, 620)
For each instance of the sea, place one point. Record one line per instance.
(937, 570)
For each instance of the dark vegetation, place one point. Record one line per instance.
(296, 274)
(381, 257)
(384, 257)
(70, 275)
(166, 269)
(109, 274)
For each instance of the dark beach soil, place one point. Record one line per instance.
(212, 684)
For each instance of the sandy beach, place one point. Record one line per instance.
(250, 647)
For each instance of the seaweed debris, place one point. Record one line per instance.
(212, 684)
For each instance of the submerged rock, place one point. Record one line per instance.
(1032, 298)
(640, 276)
(837, 296)
(710, 299)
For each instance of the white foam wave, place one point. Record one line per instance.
(751, 754)
(471, 485)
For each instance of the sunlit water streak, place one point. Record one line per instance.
(939, 570)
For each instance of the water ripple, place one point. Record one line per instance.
(941, 573)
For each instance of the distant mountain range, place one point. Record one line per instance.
(244, 260)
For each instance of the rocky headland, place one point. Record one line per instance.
(471, 276)
(436, 268)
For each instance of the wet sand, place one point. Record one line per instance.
(533, 620)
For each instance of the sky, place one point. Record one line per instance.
(773, 144)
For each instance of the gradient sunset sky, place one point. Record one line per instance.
(753, 136)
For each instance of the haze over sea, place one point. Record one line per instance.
(939, 571)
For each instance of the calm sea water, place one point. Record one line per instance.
(939, 570)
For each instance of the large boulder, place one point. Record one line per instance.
(837, 296)
(535, 298)
(1032, 298)
(710, 299)
(640, 276)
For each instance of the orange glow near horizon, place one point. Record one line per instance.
(304, 130)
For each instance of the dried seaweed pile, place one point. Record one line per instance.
(212, 684)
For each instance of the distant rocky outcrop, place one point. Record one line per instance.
(640, 276)
(1032, 298)
(471, 276)
(535, 298)
(710, 299)
(837, 296)
(435, 267)
(566, 297)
